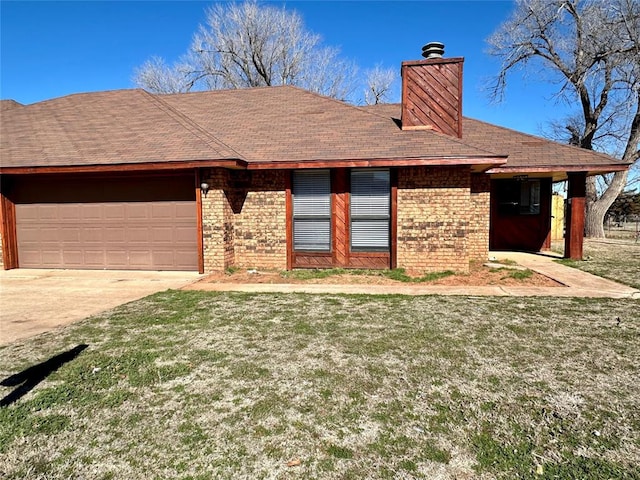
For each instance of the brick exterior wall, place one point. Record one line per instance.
(434, 211)
(478, 241)
(244, 220)
(443, 219)
(1, 257)
(217, 223)
(261, 224)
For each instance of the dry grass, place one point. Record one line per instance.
(615, 259)
(200, 385)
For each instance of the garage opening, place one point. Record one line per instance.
(106, 222)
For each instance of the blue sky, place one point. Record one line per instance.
(51, 49)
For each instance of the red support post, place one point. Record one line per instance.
(574, 235)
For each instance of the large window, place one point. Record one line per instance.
(370, 210)
(312, 210)
(518, 197)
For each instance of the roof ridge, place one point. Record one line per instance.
(192, 126)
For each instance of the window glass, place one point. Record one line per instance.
(370, 209)
(518, 197)
(312, 210)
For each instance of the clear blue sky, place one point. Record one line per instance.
(51, 49)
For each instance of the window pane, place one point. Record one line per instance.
(312, 193)
(312, 234)
(370, 192)
(370, 234)
(518, 197)
(370, 209)
(312, 210)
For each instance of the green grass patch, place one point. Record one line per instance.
(397, 274)
(616, 260)
(356, 386)
(519, 274)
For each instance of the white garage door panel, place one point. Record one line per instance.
(110, 235)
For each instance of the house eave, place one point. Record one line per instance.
(556, 172)
(477, 163)
(125, 167)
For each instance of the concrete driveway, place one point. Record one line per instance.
(33, 301)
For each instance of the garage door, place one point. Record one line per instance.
(117, 226)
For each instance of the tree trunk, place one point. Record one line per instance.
(597, 207)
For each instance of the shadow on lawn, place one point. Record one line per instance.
(26, 380)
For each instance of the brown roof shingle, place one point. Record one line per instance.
(526, 153)
(266, 127)
(113, 127)
(287, 124)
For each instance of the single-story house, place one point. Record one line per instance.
(278, 177)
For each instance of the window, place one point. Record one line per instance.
(312, 210)
(370, 209)
(518, 197)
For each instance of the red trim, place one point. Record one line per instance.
(489, 162)
(289, 214)
(393, 259)
(460, 97)
(9, 235)
(125, 167)
(433, 61)
(199, 222)
(591, 169)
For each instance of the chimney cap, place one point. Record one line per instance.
(433, 50)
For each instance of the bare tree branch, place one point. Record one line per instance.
(379, 82)
(250, 45)
(592, 47)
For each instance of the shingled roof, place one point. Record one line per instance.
(270, 127)
(263, 128)
(526, 153)
(114, 127)
(9, 104)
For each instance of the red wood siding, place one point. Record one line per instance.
(341, 254)
(432, 95)
(521, 232)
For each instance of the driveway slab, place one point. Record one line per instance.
(33, 300)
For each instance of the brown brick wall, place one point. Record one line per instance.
(244, 220)
(261, 224)
(1, 257)
(217, 224)
(478, 241)
(443, 219)
(434, 208)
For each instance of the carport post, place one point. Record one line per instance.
(574, 235)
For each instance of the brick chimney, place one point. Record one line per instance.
(432, 92)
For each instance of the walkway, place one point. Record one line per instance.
(576, 283)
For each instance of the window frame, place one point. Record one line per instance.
(523, 200)
(298, 219)
(357, 218)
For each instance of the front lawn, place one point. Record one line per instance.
(615, 259)
(195, 385)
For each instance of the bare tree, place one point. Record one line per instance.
(379, 82)
(591, 50)
(249, 45)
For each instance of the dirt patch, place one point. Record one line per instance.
(479, 275)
